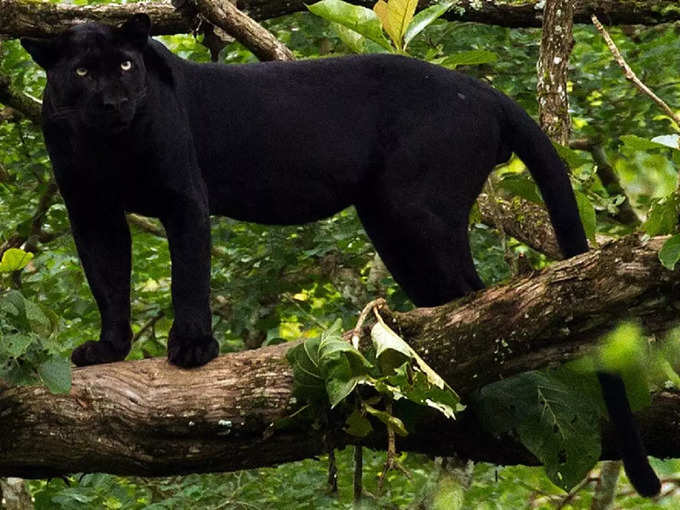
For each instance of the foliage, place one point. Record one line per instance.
(358, 26)
(26, 354)
(327, 370)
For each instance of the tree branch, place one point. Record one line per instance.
(18, 101)
(247, 31)
(630, 74)
(522, 220)
(147, 417)
(40, 19)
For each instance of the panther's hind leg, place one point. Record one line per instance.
(428, 256)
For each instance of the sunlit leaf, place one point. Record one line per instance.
(395, 16)
(14, 259)
(423, 19)
(354, 17)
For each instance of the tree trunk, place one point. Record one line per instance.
(150, 418)
(18, 17)
(557, 41)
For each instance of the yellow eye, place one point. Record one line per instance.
(126, 65)
(81, 71)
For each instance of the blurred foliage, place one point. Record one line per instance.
(273, 284)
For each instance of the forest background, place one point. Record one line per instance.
(275, 285)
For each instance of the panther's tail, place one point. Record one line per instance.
(633, 453)
(534, 148)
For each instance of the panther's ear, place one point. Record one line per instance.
(43, 51)
(136, 30)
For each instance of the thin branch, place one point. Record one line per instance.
(605, 490)
(630, 74)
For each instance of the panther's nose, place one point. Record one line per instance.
(113, 104)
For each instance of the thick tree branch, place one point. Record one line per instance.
(247, 31)
(18, 17)
(147, 417)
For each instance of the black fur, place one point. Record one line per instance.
(408, 143)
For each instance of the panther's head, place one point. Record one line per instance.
(95, 73)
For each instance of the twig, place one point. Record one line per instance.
(573, 492)
(605, 490)
(149, 324)
(391, 444)
(332, 472)
(630, 75)
(357, 481)
(376, 303)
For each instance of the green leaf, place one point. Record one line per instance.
(587, 213)
(663, 216)
(571, 157)
(328, 367)
(423, 19)
(359, 19)
(37, 320)
(15, 345)
(56, 374)
(637, 143)
(387, 419)
(353, 40)
(14, 259)
(553, 417)
(469, 58)
(358, 425)
(521, 186)
(415, 386)
(386, 340)
(670, 252)
(309, 383)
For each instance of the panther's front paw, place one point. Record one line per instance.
(93, 353)
(191, 352)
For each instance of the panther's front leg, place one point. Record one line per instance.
(103, 241)
(188, 228)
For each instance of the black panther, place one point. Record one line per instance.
(131, 127)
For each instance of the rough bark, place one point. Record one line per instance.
(18, 17)
(14, 494)
(522, 220)
(557, 42)
(147, 417)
